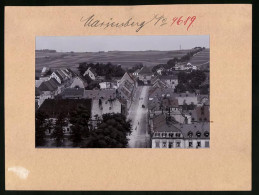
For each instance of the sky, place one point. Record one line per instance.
(122, 43)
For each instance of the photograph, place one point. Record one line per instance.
(122, 91)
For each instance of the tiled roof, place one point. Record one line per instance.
(38, 92)
(201, 114)
(73, 92)
(100, 94)
(202, 129)
(156, 91)
(189, 131)
(161, 124)
(53, 107)
(59, 75)
(50, 85)
(145, 70)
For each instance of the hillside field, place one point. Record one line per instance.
(201, 59)
(126, 59)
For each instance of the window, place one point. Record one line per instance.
(190, 144)
(178, 144)
(157, 144)
(198, 134)
(110, 108)
(164, 144)
(206, 134)
(170, 145)
(171, 134)
(198, 144)
(207, 144)
(190, 134)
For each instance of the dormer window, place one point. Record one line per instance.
(206, 134)
(198, 134)
(190, 134)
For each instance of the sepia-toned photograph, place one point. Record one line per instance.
(122, 92)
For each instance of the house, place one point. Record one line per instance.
(200, 114)
(53, 107)
(39, 97)
(91, 73)
(104, 102)
(50, 88)
(126, 87)
(126, 77)
(106, 106)
(56, 75)
(166, 134)
(157, 92)
(160, 70)
(189, 66)
(73, 93)
(135, 74)
(157, 82)
(38, 82)
(145, 75)
(44, 71)
(180, 66)
(170, 81)
(100, 94)
(78, 82)
(187, 98)
(108, 85)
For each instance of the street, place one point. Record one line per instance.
(139, 117)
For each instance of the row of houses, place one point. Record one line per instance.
(173, 117)
(168, 134)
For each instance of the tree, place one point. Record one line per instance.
(58, 133)
(111, 133)
(82, 68)
(171, 63)
(80, 125)
(40, 128)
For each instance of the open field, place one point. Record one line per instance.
(124, 58)
(201, 59)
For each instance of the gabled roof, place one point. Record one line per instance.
(127, 77)
(161, 124)
(62, 74)
(92, 70)
(145, 71)
(50, 85)
(59, 76)
(71, 72)
(137, 71)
